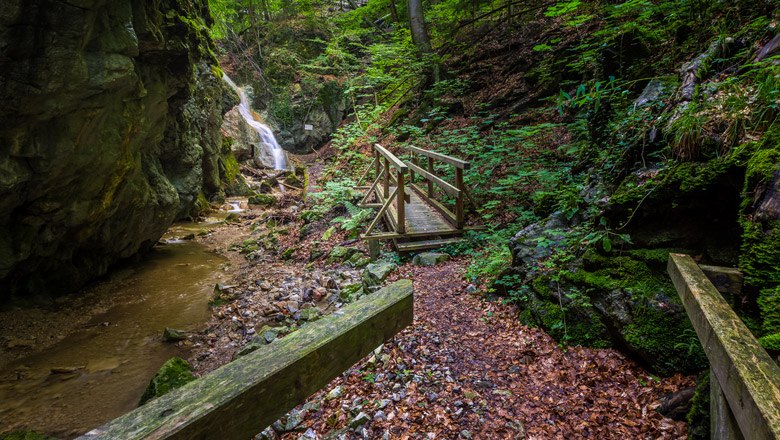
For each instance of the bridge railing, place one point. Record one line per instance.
(242, 398)
(744, 381)
(422, 164)
(388, 169)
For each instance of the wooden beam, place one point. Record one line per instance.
(457, 163)
(391, 158)
(430, 183)
(459, 215)
(449, 189)
(400, 203)
(750, 380)
(381, 212)
(245, 396)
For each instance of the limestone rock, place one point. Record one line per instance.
(110, 133)
(430, 258)
(376, 273)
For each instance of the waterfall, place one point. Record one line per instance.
(267, 138)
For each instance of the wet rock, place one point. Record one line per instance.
(294, 420)
(359, 420)
(308, 435)
(267, 434)
(173, 335)
(376, 273)
(262, 200)
(359, 260)
(430, 258)
(174, 373)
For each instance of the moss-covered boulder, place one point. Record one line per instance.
(174, 373)
(375, 273)
(430, 258)
(109, 130)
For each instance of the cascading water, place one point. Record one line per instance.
(267, 138)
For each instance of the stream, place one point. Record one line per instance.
(97, 369)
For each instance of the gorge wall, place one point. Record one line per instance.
(109, 131)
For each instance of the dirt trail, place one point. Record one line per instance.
(467, 368)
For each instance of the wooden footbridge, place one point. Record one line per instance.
(417, 217)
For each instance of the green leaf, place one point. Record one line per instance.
(606, 243)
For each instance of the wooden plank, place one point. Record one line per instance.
(749, 378)
(430, 183)
(459, 215)
(437, 205)
(243, 397)
(727, 280)
(395, 162)
(399, 203)
(449, 189)
(723, 426)
(457, 163)
(427, 244)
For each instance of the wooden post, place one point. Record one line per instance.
(377, 164)
(723, 425)
(740, 368)
(245, 396)
(373, 249)
(459, 217)
(386, 182)
(401, 203)
(411, 172)
(430, 183)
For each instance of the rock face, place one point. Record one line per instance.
(109, 131)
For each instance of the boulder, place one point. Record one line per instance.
(110, 124)
(430, 258)
(341, 253)
(173, 335)
(174, 373)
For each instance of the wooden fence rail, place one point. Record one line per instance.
(245, 396)
(744, 381)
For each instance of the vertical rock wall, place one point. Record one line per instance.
(109, 131)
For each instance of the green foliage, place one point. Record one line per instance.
(356, 220)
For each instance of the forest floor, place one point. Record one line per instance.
(466, 367)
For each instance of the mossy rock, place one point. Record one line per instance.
(359, 260)
(430, 258)
(262, 200)
(174, 373)
(375, 273)
(340, 254)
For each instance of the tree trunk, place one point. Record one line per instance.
(394, 12)
(420, 36)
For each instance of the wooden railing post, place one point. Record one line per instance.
(386, 181)
(459, 217)
(723, 425)
(377, 164)
(401, 203)
(430, 183)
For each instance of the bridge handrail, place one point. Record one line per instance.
(744, 381)
(394, 161)
(449, 189)
(454, 161)
(247, 395)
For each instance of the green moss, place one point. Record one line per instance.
(174, 373)
(698, 416)
(769, 304)
(232, 169)
(771, 343)
(262, 200)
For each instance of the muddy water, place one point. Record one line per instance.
(104, 362)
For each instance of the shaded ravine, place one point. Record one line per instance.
(114, 345)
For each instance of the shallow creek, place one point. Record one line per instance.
(78, 374)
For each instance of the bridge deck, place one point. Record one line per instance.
(421, 218)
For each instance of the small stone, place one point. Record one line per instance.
(380, 416)
(471, 289)
(294, 419)
(308, 435)
(335, 393)
(173, 335)
(465, 434)
(267, 434)
(310, 314)
(359, 420)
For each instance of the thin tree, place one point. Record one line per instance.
(420, 36)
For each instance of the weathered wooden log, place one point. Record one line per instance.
(740, 367)
(245, 396)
